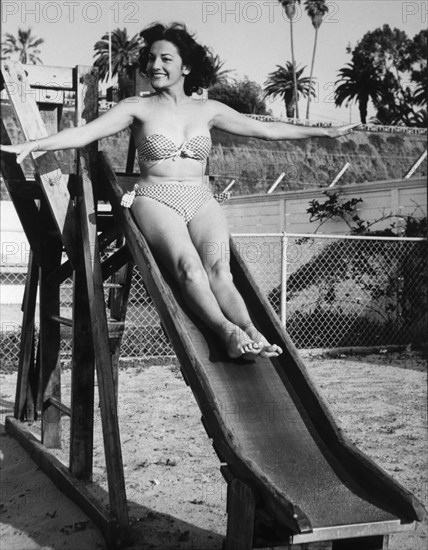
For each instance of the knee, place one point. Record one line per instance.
(190, 270)
(219, 272)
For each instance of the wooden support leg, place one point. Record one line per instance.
(241, 507)
(99, 326)
(26, 385)
(118, 303)
(82, 382)
(376, 542)
(51, 251)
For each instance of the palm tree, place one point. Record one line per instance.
(221, 76)
(125, 52)
(25, 46)
(280, 83)
(359, 81)
(290, 9)
(316, 9)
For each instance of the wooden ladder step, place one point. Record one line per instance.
(109, 265)
(112, 285)
(61, 320)
(58, 405)
(115, 328)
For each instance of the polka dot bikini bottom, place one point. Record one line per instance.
(186, 200)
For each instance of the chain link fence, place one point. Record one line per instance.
(329, 291)
(341, 291)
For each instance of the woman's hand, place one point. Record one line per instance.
(22, 150)
(338, 131)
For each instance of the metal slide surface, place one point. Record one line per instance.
(267, 420)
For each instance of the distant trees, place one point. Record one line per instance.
(281, 83)
(359, 81)
(221, 75)
(316, 9)
(290, 7)
(244, 95)
(124, 59)
(24, 47)
(390, 69)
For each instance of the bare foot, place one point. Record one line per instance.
(267, 349)
(239, 344)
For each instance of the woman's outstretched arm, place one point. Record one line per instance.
(227, 119)
(116, 119)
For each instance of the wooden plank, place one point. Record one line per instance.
(48, 96)
(362, 543)
(50, 334)
(26, 208)
(83, 356)
(105, 239)
(16, 183)
(105, 376)
(51, 116)
(60, 406)
(115, 329)
(86, 78)
(82, 377)
(114, 263)
(118, 297)
(26, 393)
(241, 506)
(118, 305)
(130, 160)
(53, 182)
(72, 488)
(54, 78)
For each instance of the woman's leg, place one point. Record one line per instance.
(168, 237)
(210, 234)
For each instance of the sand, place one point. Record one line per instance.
(176, 494)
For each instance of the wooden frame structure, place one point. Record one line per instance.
(58, 213)
(266, 505)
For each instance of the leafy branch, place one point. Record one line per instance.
(336, 208)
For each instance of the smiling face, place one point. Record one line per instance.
(165, 67)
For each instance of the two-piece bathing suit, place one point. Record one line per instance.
(185, 199)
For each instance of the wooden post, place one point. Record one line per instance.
(98, 321)
(82, 380)
(241, 507)
(83, 357)
(118, 304)
(26, 390)
(50, 332)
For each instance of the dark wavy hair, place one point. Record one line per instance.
(195, 56)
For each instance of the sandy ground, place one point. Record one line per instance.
(177, 496)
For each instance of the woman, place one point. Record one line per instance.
(178, 215)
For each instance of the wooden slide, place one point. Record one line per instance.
(293, 477)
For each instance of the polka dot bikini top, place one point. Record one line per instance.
(158, 147)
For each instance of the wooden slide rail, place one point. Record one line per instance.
(254, 499)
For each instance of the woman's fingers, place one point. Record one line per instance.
(8, 148)
(350, 126)
(22, 156)
(21, 150)
(338, 131)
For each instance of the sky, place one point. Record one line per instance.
(251, 37)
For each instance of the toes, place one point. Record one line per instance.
(251, 348)
(271, 351)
